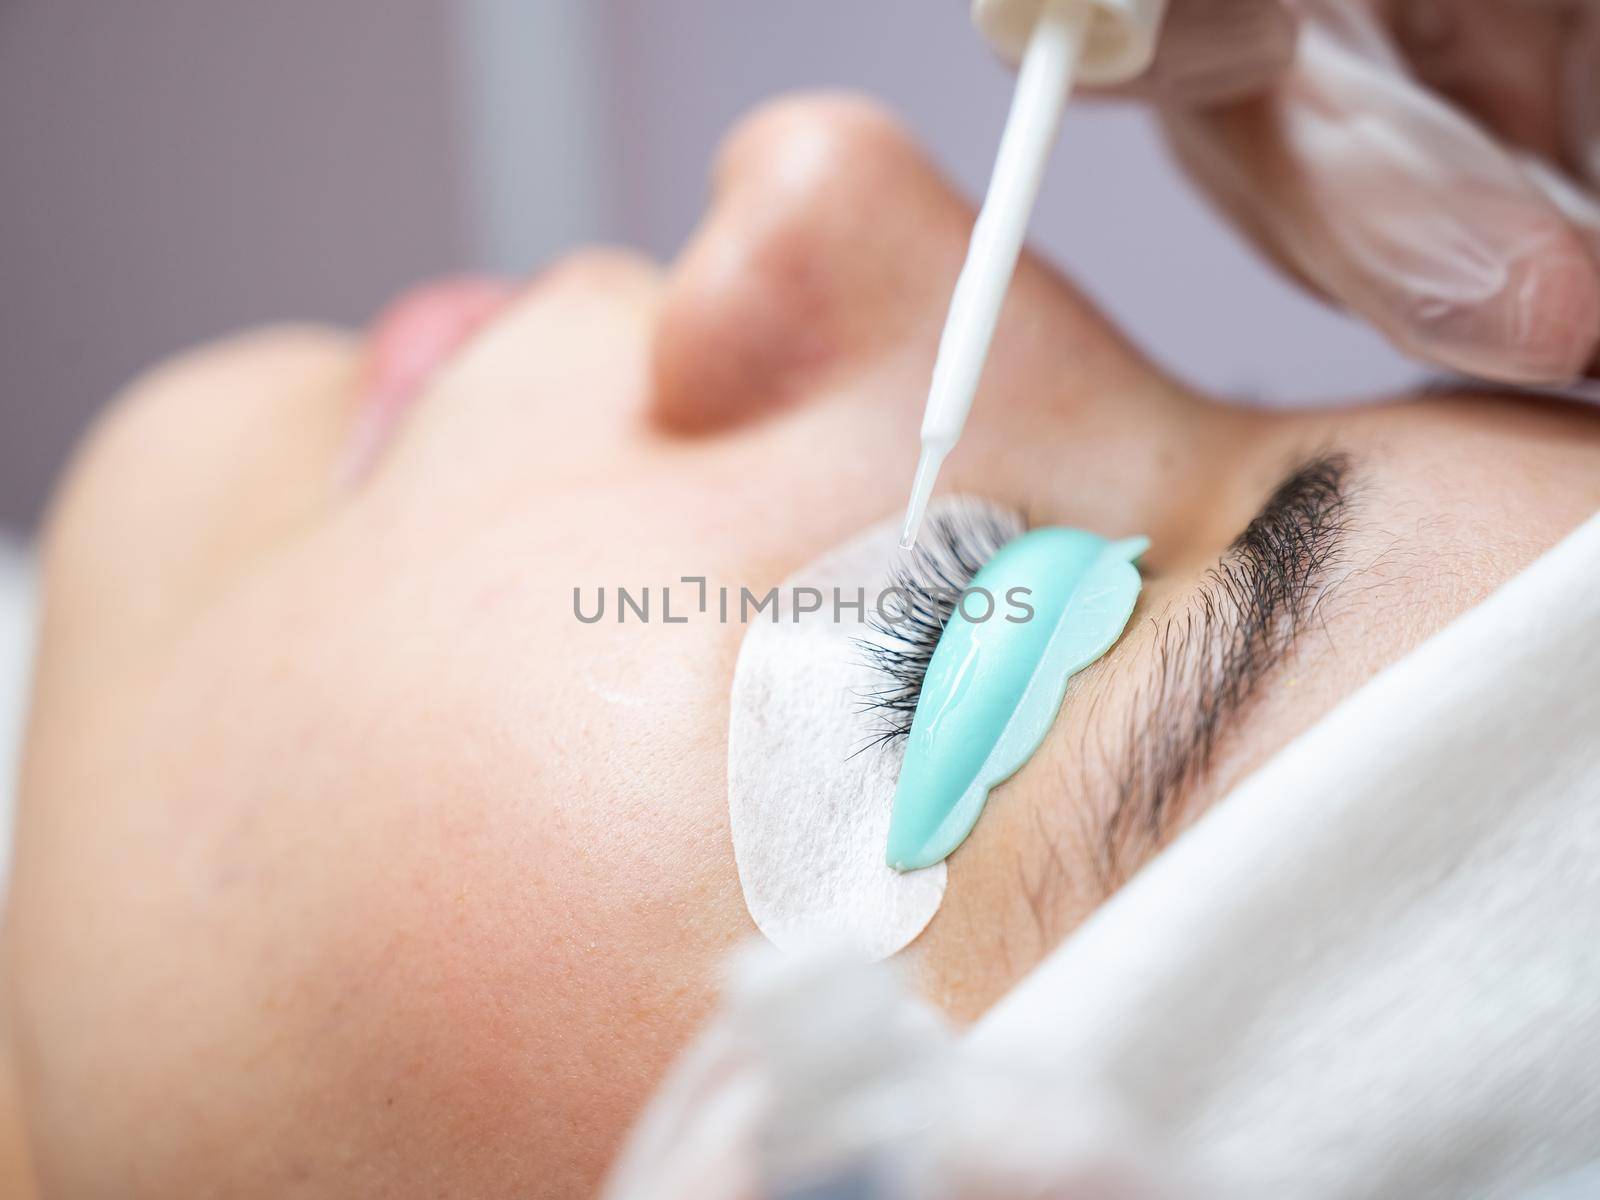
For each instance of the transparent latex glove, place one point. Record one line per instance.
(1211, 51)
(1432, 165)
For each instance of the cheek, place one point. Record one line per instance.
(537, 864)
(397, 891)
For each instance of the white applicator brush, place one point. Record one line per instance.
(1099, 41)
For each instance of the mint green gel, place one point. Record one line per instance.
(994, 685)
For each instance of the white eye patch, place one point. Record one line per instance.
(809, 798)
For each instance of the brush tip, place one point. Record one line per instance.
(921, 489)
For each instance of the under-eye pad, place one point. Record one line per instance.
(811, 781)
(1042, 609)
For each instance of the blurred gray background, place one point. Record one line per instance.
(176, 168)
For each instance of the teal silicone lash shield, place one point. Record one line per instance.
(994, 685)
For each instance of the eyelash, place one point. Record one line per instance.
(955, 545)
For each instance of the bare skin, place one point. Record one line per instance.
(349, 863)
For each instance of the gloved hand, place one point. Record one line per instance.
(1432, 165)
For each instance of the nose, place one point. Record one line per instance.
(830, 237)
(821, 277)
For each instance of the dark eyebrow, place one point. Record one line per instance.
(1212, 655)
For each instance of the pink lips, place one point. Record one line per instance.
(406, 345)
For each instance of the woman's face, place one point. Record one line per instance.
(351, 862)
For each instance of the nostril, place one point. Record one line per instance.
(827, 232)
(735, 338)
